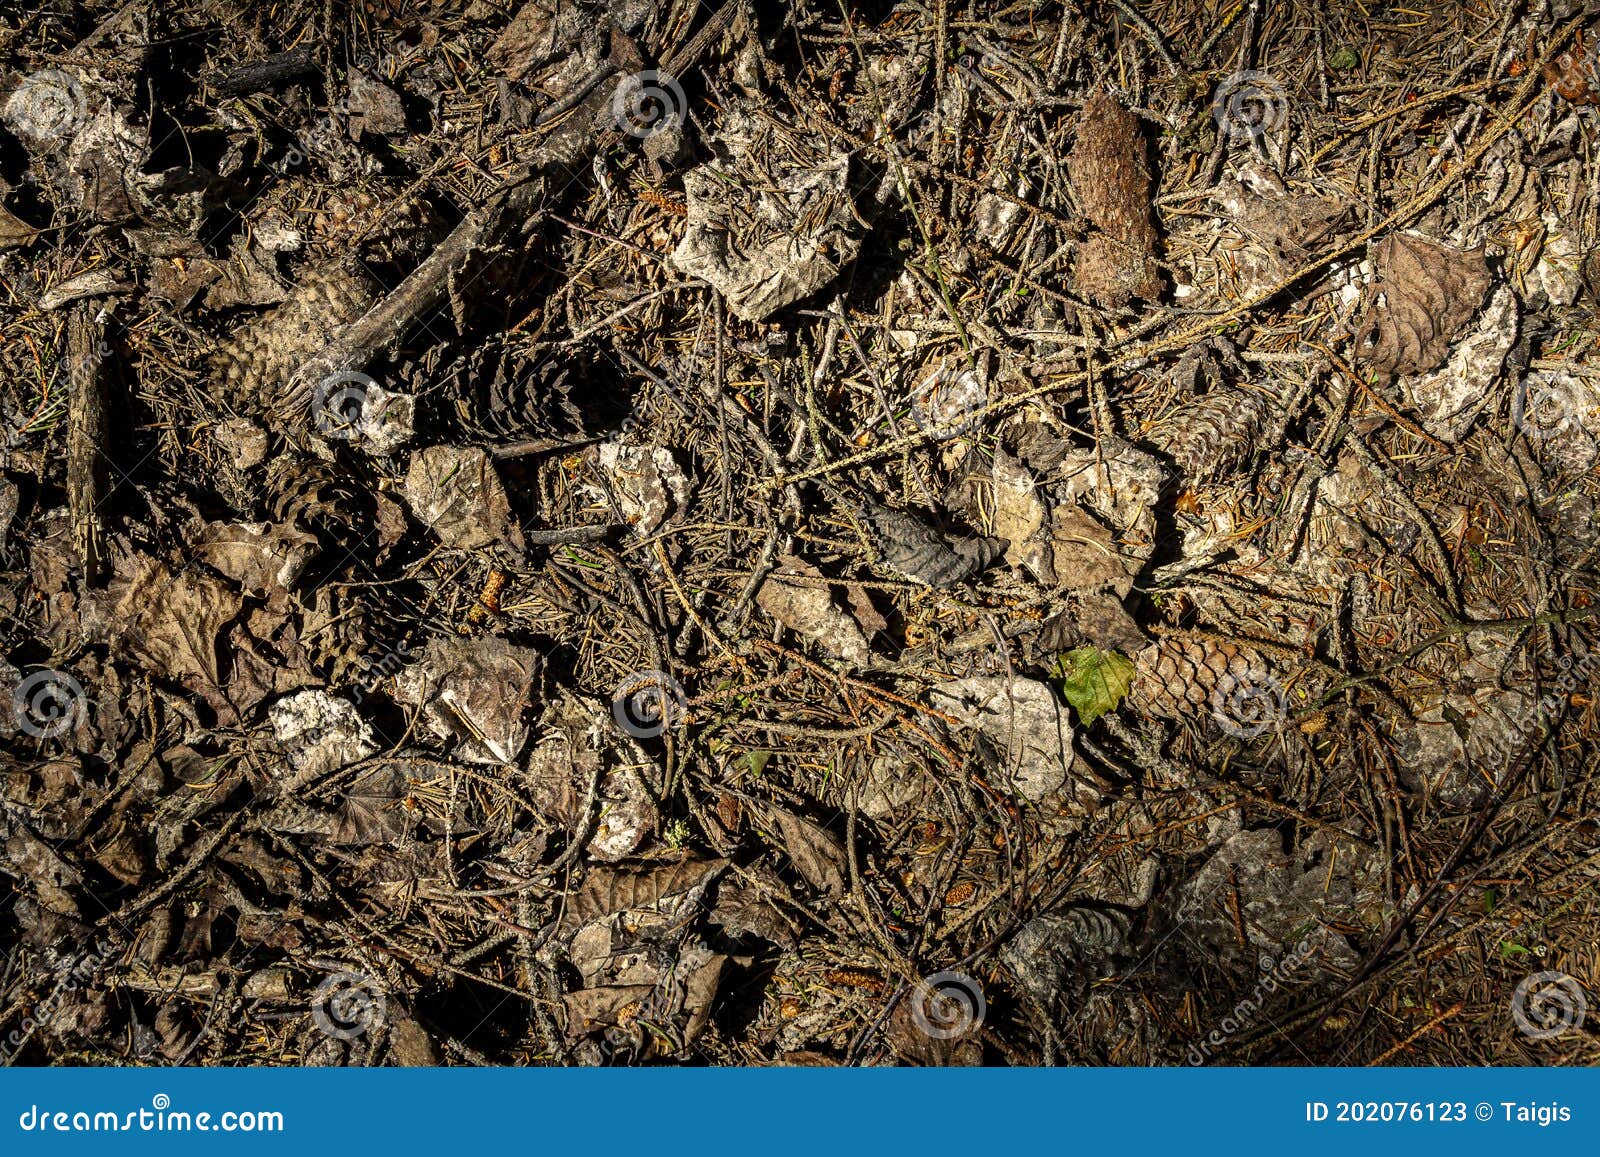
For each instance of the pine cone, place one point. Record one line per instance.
(1215, 435)
(1179, 679)
(257, 362)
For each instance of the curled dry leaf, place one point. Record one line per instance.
(910, 547)
(1423, 294)
(747, 239)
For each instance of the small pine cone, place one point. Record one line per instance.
(1214, 435)
(1181, 679)
(256, 364)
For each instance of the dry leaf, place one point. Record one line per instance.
(607, 891)
(1423, 294)
(815, 852)
(912, 548)
(474, 690)
(456, 492)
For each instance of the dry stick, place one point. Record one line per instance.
(1522, 100)
(87, 429)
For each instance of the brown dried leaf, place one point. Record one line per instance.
(605, 891)
(810, 612)
(1422, 296)
(816, 852)
(456, 492)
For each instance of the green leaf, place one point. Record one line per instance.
(1094, 681)
(756, 762)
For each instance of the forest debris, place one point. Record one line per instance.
(320, 733)
(816, 853)
(1424, 292)
(1122, 485)
(647, 481)
(1059, 954)
(455, 491)
(1450, 399)
(374, 107)
(172, 621)
(261, 557)
(660, 890)
(95, 283)
(571, 753)
(257, 363)
(1215, 435)
(1111, 179)
(14, 232)
(474, 691)
(1230, 683)
(810, 612)
(909, 546)
(1030, 731)
(743, 239)
(1286, 901)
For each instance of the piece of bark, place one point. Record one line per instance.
(1112, 181)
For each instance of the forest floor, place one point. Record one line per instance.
(658, 532)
